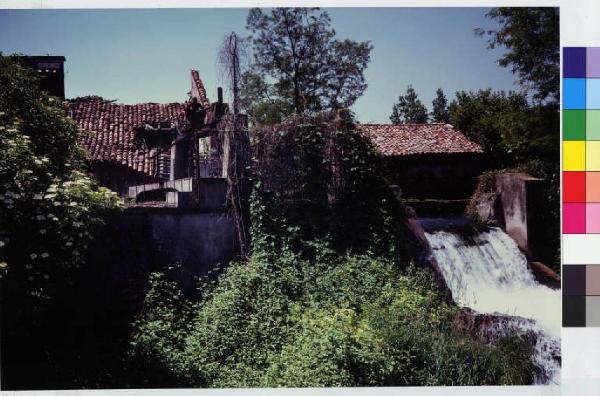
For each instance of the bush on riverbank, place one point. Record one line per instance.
(353, 321)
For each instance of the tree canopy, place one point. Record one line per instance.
(409, 109)
(299, 65)
(531, 36)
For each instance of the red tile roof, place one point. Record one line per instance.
(113, 126)
(411, 139)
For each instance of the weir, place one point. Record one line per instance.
(486, 272)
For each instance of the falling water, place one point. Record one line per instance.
(486, 271)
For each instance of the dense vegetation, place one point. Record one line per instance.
(318, 304)
(49, 211)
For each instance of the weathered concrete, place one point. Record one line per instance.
(198, 241)
(143, 240)
(521, 198)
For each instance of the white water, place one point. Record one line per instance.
(487, 272)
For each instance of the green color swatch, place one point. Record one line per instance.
(574, 124)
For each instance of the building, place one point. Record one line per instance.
(174, 154)
(170, 162)
(428, 161)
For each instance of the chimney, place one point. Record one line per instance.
(220, 95)
(51, 72)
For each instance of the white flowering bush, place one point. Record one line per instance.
(48, 205)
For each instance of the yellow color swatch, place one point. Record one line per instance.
(592, 156)
(574, 155)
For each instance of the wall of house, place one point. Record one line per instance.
(447, 176)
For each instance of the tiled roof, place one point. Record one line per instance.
(411, 139)
(113, 126)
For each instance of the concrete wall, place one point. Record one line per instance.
(143, 240)
(521, 197)
(199, 241)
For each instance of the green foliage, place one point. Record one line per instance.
(49, 213)
(531, 35)
(409, 109)
(48, 206)
(510, 130)
(319, 177)
(439, 105)
(486, 184)
(343, 322)
(299, 65)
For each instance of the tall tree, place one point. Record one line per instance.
(409, 109)
(299, 65)
(531, 36)
(232, 58)
(440, 111)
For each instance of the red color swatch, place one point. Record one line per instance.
(573, 186)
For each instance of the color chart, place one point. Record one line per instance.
(581, 140)
(581, 296)
(581, 179)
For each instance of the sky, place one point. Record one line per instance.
(145, 55)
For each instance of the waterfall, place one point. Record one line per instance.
(486, 271)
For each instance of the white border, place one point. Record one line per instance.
(579, 27)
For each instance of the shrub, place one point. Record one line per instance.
(355, 321)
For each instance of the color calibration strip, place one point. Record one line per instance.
(581, 295)
(581, 140)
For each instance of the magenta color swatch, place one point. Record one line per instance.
(593, 62)
(592, 218)
(574, 218)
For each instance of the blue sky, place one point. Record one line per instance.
(145, 55)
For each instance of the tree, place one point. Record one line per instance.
(409, 109)
(232, 58)
(531, 36)
(440, 108)
(298, 65)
